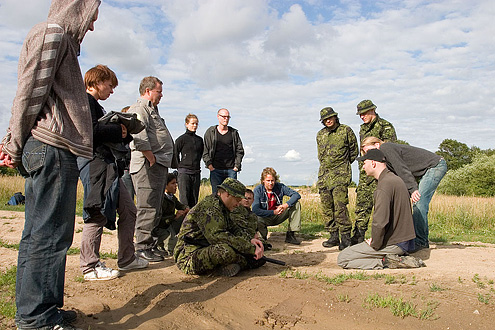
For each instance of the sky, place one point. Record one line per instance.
(428, 66)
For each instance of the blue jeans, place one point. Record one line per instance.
(217, 177)
(51, 187)
(427, 186)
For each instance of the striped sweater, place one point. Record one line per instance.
(51, 102)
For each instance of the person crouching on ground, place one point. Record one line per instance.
(170, 222)
(207, 240)
(268, 206)
(392, 230)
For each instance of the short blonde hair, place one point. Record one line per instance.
(369, 141)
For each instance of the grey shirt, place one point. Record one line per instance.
(155, 137)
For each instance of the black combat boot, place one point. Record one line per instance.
(290, 238)
(345, 241)
(358, 236)
(333, 240)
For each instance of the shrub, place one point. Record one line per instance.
(475, 179)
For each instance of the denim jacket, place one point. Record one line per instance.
(260, 205)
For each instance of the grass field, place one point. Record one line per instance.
(451, 218)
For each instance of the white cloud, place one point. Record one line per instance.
(428, 66)
(292, 156)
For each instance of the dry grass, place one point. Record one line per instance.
(451, 218)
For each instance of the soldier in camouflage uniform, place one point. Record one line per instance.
(373, 125)
(337, 149)
(209, 240)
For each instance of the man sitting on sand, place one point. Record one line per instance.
(392, 231)
(208, 239)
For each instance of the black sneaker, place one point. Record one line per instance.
(149, 255)
(68, 316)
(159, 252)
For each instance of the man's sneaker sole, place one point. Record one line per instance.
(394, 261)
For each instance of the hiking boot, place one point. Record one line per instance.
(148, 255)
(137, 263)
(101, 273)
(290, 238)
(345, 241)
(358, 237)
(394, 261)
(229, 270)
(332, 241)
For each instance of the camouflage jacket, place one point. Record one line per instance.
(337, 149)
(379, 128)
(209, 223)
(246, 220)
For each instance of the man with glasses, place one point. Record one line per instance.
(223, 151)
(151, 155)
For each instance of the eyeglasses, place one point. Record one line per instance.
(225, 117)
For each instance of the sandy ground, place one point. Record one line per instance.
(162, 297)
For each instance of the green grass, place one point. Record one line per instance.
(436, 288)
(485, 299)
(9, 245)
(7, 292)
(397, 306)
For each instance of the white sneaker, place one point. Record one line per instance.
(137, 263)
(101, 273)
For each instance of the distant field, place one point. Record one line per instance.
(451, 218)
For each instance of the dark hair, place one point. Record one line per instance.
(170, 177)
(249, 191)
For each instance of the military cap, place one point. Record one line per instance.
(326, 113)
(233, 187)
(365, 105)
(373, 154)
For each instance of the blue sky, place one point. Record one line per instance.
(427, 65)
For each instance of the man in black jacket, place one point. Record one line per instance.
(223, 150)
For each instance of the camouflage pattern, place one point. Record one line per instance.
(246, 220)
(365, 106)
(208, 239)
(334, 207)
(326, 113)
(383, 130)
(337, 149)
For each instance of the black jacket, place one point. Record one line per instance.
(188, 149)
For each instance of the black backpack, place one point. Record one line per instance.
(17, 199)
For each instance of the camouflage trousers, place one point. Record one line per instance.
(364, 201)
(334, 206)
(203, 260)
